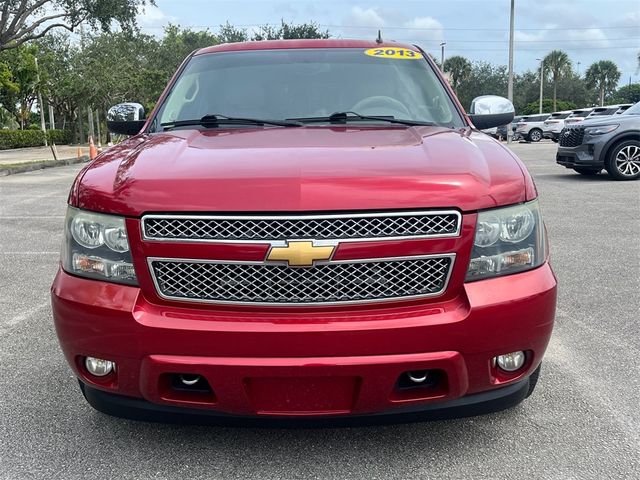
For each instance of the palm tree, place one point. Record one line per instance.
(459, 70)
(603, 76)
(557, 62)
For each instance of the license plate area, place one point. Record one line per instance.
(303, 395)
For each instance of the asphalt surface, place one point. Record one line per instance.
(581, 422)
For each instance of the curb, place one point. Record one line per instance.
(41, 164)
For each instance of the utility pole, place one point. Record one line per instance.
(541, 81)
(578, 68)
(40, 104)
(510, 82)
(442, 55)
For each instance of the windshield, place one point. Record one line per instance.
(308, 83)
(634, 110)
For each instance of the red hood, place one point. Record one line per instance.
(303, 169)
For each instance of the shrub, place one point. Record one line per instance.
(21, 138)
(59, 137)
(32, 138)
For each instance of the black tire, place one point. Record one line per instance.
(590, 172)
(534, 135)
(623, 161)
(533, 380)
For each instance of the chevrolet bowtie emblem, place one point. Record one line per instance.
(300, 253)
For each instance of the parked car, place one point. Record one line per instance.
(552, 126)
(611, 142)
(623, 108)
(577, 116)
(602, 112)
(492, 132)
(300, 230)
(502, 129)
(530, 127)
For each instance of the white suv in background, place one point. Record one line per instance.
(577, 116)
(530, 127)
(554, 124)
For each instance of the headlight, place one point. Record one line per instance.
(96, 246)
(600, 130)
(507, 240)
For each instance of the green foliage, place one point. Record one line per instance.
(230, 34)
(627, 94)
(24, 21)
(484, 79)
(32, 137)
(290, 32)
(602, 76)
(20, 63)
(59, 137)
(558, 64)
(21, 138)
(547, 107)
(459, 70)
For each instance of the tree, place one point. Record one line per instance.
(230, 34)
(25, 20)
(459, 69)
(602, 76)
(547, 107)
(558, 64)
(289, 32)
(627, 94)
(485, 79)
(23, 76)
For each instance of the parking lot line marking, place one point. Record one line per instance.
(20, 217)
(30, 253)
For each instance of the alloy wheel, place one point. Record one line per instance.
(628, 161)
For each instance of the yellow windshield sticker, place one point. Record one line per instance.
(393, 52)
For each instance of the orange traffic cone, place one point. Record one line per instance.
(93, 151)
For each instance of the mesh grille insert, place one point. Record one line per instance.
(280, 284)
(316, 227)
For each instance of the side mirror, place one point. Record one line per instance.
(490, 111)
(126, 118)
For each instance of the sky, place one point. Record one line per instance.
(588, 30)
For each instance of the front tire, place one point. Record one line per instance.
(535, 135)
(590, 172)
(623, 162)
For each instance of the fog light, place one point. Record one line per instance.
(98, 366)
(510, 362)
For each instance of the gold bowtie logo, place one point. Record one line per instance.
(300, 253)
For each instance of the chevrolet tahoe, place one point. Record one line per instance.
(308, 229)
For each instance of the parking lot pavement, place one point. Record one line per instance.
(38, 154)
(582, 421)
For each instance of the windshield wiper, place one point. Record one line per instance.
(215, 120)
(344, 117)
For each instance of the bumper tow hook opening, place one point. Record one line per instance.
(418, 376)
(189, 380)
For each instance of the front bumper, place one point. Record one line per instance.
(587, 155)
(307, 363)
(553, 135)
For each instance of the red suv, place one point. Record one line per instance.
(305, 229)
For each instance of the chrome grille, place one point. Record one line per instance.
(318, 227)
(334, 282)
(571, 136)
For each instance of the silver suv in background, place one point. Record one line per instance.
(530, 127)
(611, 142)
(552, 126)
